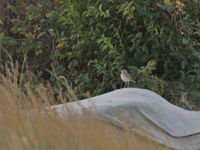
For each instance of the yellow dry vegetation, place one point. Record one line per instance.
(25, 124)
(1, 22)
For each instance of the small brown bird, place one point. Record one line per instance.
(125, 76)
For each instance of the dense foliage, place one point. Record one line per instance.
(88, 42)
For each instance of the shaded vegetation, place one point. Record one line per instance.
(88, 42)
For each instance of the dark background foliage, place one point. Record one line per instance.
(88, 42)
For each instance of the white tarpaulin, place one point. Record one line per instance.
(145, 112)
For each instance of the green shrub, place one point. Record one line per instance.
(92, 40)
(107, 36)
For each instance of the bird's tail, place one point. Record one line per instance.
(133, 81)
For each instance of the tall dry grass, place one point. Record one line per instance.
(23, 126)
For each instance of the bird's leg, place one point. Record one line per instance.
(128, 85)
(125, 85)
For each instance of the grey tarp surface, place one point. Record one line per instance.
(145, 113)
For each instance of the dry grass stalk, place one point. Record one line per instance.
(34, 131)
